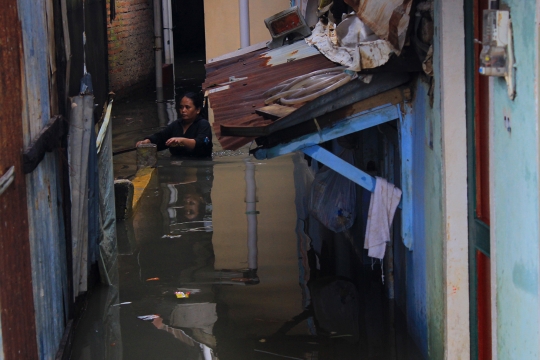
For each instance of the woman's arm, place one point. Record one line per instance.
(181, 142)
(160, 138)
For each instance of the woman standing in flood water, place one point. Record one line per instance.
(189, 136)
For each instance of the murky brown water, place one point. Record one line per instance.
(190, 233)
(193, 232)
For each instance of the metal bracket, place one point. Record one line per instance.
(7, 179)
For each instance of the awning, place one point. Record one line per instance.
(236, 87)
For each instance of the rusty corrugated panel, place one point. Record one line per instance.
(237, 104)
(16, 300)
(298, 50)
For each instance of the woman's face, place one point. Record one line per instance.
(188, 111)
(191, 206)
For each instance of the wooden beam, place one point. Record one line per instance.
(354, 123)
(342, 167)
(393, 97)
(274, 111)
(48, 140)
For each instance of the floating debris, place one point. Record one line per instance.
(224, 153)
(191, 291)
(171, 236)
(148, 317)
(182, 295)
(153, 279)
(124, 303)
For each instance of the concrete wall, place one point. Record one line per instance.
(222, 23)
(442, 228)
(131, 42)
(515, 249)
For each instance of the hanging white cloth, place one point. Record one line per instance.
(382, 208)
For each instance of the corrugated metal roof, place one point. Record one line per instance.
(236, 105)
(298, 50)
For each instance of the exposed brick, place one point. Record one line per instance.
(131, 40)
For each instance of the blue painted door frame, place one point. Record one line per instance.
(309, 144)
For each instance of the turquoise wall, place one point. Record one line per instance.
(434, 229)
(514, 217)
(433, 199)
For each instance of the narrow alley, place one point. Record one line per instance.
(231, 312)
(257, 180)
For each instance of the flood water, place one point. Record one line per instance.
(248, 290)
(260, 288)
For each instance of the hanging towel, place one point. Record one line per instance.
(382, 207)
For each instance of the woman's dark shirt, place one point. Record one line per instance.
(199, 130)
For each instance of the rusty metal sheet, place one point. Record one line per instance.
(236, 105)
(298, 50)
(16, 297)
(389, 19)
(347, 94)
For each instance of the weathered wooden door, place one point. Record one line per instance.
(478, 175)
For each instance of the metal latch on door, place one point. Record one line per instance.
(7, 179)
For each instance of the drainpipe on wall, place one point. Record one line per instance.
(158, 48)
(251, 214)
(168, 44)
(168, 33)
(244, 23)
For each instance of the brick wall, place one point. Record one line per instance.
(130, 43)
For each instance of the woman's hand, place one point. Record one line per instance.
(142, 142)
(175, 141)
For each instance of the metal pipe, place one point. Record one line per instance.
(251, 214)
(168, 45)
(158, 48)
(244, 23)
(168, 41)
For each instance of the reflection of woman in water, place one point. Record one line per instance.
(189, 136)
(194, 205)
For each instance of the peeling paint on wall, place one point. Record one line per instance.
(514, 195)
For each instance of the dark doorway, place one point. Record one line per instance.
(189, 44)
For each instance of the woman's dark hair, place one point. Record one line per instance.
(196, 98)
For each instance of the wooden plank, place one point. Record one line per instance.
(274, 111)
(393, 97)
(342, 167)
(49, 139)
(354, 123)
